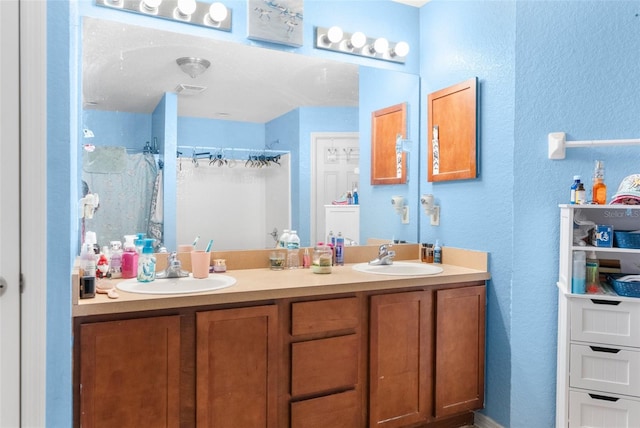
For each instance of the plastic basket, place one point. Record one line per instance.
(624, 288)
(627, 239)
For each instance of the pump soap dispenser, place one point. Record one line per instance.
(147, 262)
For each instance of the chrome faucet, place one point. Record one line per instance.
(385, 255)
(174, 268)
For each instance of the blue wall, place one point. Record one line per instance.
(543, 67)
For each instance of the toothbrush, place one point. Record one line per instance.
(195, 241)
(209, 246)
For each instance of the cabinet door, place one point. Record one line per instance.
(400, 359)
(236, 367)
(459, 351)
(130, 373)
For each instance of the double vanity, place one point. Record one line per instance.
(353, 348)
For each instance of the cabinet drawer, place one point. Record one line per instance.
(606, 321)
(605, 369)
(601, 411)
(336, 411)
(324, 316)
(324, 365)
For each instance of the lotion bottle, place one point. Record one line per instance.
(437, 252)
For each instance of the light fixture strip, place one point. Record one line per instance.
(344, 46)
(167, 10)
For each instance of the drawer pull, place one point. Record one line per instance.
(606, 302)
(602, 349)
(603, 397)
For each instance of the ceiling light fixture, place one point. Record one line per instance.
(334, 39)
(193, 66)
(217, 14)
(204, 14)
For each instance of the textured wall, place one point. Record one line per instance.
(543, 67)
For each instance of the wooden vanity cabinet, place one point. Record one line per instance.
(406, 358)
(459, 350)
(130, 373)
(236, 367)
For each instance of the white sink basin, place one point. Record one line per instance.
(187, 284)
(399, 268)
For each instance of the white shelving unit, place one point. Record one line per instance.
(598, 372)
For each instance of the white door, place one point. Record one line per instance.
(334, 163)
(9, 216)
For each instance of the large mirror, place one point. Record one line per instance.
(258, 133)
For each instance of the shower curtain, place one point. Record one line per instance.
(125, 184)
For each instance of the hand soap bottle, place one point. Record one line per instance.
(147, 262)
(129, 258)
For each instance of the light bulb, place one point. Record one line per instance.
(334, 35)
(401, 49)
(380, 45)
(357, 40)
(149, 5)
(218, 12)
(186, 7)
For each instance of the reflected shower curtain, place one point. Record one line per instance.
(125, 185)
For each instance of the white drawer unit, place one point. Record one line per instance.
(602, 411)
(598, 371)
(605, 321)
(606, 369)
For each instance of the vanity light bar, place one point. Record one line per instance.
(211, 15)
(334, 39)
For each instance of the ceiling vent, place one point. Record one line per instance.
(184, 89)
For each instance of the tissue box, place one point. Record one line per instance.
(602, 236)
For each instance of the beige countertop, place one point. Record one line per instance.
(261, 284)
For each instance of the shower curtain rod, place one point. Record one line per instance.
(200, 150)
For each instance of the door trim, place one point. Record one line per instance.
(33, 219)
(314, 177)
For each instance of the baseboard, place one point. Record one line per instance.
(483, 421)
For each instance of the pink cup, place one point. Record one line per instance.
(185, 248)
(200, 264)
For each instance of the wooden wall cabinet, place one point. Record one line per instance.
(388, 166)
(453, 132)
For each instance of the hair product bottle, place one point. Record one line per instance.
(599, 190)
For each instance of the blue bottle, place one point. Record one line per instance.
(355, 196)
(574, 188)
(147, 262)
(340, 250)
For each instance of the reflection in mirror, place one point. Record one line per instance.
(250, 98)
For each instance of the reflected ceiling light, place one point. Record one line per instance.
(357, 40)
(334, 35)
(217, 13)
(380, 46)
(150, 6)
(193, 66)
(400, 49)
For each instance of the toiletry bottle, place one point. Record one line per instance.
(293, 250)
(284, 239)
(592, 274)
(423, 252)
(437, 252)
(147, 262)
(355, 196)
(340, 250)
(574, 188)
(306, 259)
(331, 239)
(115, 262)
(349, 198)
(578, 272)
(599, 190)
(580, 195)
(88, 260)
(129, 258)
